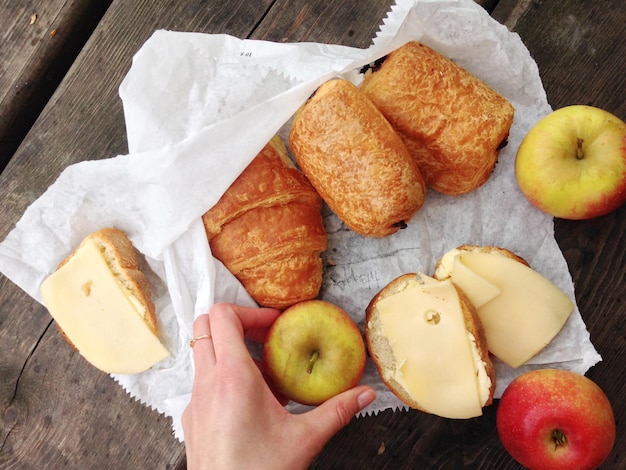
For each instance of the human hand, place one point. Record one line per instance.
(234, 420)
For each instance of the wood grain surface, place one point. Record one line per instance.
(40, 41)
(59, 412)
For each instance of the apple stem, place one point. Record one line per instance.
(579, 149)
(312, 360)
(559, 438)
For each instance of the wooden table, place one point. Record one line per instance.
(59, 412)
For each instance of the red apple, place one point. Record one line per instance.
(313, 351)
(556, 419)
(572, 163)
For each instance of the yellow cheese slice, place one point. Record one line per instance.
(481, 290)
(444, 268)
(434, 361)
(526, 315)
(94, 311)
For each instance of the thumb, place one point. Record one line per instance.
(336, 412)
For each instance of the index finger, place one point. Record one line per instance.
(230, 323)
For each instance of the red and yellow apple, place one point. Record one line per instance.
(313, 351)
(556, 419)
(572, 163)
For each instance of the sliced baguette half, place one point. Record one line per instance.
(122, 259)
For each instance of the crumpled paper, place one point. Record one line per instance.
(199, 107)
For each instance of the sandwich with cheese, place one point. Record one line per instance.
(429, 347)
(520, 310)
(102, 304)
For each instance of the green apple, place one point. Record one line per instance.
(313, 351)
(572, 163)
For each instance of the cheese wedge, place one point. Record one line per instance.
(99, 315)
(427, 347)
(520, 310)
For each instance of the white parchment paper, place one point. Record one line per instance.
(199, 107)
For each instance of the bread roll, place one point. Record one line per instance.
(356, 161)
(443, 267)
(429, 347)
(103, 306)
(520, 310)
(268, 231)
(452, 123)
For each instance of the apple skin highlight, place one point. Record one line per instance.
(556, 419)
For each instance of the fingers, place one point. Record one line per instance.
(335, 413)
(251, 318)
(229, 324)
(203, 351)
(233, 322)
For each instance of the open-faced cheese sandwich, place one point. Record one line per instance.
(521, 311)
(268, 231)
(356, 161)
(452, 123)
(102, 304)
(429, 347)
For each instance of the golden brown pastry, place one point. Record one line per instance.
(267, 229)
(356, 161)
(453, 124)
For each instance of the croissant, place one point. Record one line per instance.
(268, 231)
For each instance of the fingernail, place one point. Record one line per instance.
(366, 397)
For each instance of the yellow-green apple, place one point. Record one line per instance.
(313, 351)
(556, 419)
(572, 163)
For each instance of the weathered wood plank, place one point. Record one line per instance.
(39, 43)
(323, 22)
(578, 47)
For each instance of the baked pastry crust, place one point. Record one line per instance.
(356, 161)
(268, 230)
(271, 179)
(452, 123)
